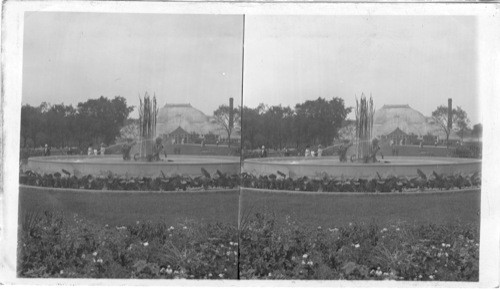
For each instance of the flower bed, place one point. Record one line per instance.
(269, 250)
(389, 184)
(271, 182)
(110, 182)
(51, 246)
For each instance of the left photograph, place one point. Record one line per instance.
(130, 146)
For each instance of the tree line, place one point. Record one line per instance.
(89, 123)
(312, 122)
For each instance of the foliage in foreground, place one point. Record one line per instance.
(270, 182)
(50, 246)
(387, 184)
(269, 250)
(110, 182)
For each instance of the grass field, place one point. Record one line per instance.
(127, 208)
(384, 209)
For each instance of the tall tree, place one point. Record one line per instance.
(222, 117)
(477, 131)
(103, 118)
(459, 120)
(320, 120)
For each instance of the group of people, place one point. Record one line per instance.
(311, 153)
(94, 151)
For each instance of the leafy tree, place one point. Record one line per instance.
(222, 115)
(477, 130)
(319, 120)
(103, 117)
(459, 120)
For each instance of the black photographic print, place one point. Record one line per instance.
(230, 144)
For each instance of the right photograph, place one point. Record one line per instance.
(361, 144)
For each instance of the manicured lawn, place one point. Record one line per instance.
(385, 209)
(127, 208)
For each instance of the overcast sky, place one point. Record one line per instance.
(420, 61)
(71, 57)
(415, 60)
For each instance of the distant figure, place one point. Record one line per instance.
(286, 152)
(307, 152)
(157, 149)
(320, 151)
(375, 149)
(401, 142)
(263, 152)
(126, 147)
(343, 151)
(217, 143)
(46, 150)
(436, 143)
(421, 144)
(89, 151)
(96, 152)
(393, 147)
(103, 149)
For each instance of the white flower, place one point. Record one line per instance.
(378, 273)
(171, 228)
(146, 244)
(303, 262)
(269, 274)
(62, 272)
(228, 253)
(356, 246)
(443, 245)
(431, 277)
(99, 260)
(209, 274)
(83, 256)
(94, 254)
(319, 227)
(420, 276)
(137, 222)
(169, 271)
(231, 243)
(304, 256)
(184, 227)
(397, 229)
(383, 230)
(310, 263)
(221, 275)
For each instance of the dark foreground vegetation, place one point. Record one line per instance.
(280, 181)
(267, 248)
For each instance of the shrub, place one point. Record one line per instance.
(269, 250)
(51, 246)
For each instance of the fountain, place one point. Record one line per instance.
(357, 158)
(142, 157)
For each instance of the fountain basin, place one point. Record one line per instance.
(103, 165)
(315, 167)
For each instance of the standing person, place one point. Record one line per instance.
(263, 152)
(307, 152)
(103, 149)
(89, 151)
(393, 149)
(46, 150)
(320, 151)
